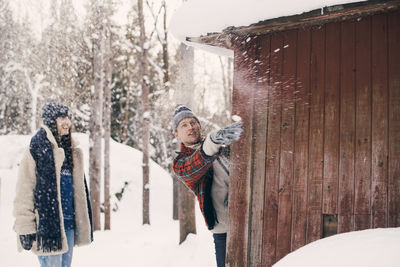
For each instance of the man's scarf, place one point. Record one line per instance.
(48, 235)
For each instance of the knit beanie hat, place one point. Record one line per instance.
(182, 112)
(52, 111)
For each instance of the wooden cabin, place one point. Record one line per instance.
(319, 95)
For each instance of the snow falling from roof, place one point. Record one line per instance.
(199, 17)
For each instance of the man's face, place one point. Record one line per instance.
(188, 131)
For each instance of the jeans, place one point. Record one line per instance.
(220, 248)
(60, 260)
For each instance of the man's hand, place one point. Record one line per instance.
(227, 135)
(27, 240)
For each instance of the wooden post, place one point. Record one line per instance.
(302, 110)
(239, 187)
(362, 167)
(331, 117)
(258, 163)
(315, 171)
(394, 120)
(379, 196)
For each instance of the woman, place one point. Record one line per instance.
(51, 208)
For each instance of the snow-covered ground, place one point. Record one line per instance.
(129, 243)
(367, 248)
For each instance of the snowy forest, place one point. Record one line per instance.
(76, 64)
(119, 79)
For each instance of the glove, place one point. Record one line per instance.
(27, 240)
(227, 135)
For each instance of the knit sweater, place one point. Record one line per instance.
(67, 199)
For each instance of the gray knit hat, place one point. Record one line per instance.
(182, 112)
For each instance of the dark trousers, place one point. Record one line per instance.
(220, 248)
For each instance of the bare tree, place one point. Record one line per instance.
(186, 211)
(33, 86)
(165, 48)
(162, 37)
(164, 43)
(184, 95)
(107, 119)
(96, 113)
(226, 70)
(145, 114)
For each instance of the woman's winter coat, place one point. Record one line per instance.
(25, 204)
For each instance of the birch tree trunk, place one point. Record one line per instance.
(184, 95)
(126, 118)
(107, 128)
(95, 120)
(166, 81)
(165, 50)
(226, 70)
(145, 115)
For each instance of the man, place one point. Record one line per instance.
(202, 165)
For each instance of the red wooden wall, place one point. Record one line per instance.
(321, 110)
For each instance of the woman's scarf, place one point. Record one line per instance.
(48, 235)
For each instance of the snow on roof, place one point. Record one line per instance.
(199, 17)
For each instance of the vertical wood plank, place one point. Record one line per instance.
(260, 64)
(394, 118)
(331, 128)
(347, 128)
(316, 134)
(299, 221)
(362, 175)
(273, 153)
(379, 121)
(238, 209)
(287, 144)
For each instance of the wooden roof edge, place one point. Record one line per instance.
(314, 17)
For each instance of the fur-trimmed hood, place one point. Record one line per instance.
(25, 213)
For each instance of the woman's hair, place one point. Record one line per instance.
(65, 143)
(50, 113)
